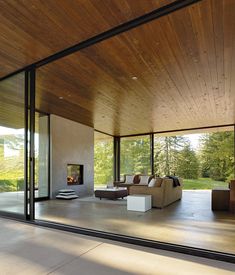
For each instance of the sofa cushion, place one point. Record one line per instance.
(150, 177)
(144, 180)
(155, 182)
(136, 179)
(152, 183)
(129, 178)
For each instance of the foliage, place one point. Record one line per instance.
(11, 166)
(103, 161)
(173, 155)
(7, 186)
(11, 185)
(187, 163)
(217, 155)
(135, 155)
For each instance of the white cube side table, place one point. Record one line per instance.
(140, 203)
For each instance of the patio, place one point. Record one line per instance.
(26, 249)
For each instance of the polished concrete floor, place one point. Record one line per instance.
(187, 222)
(27, 249)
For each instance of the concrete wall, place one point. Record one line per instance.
(71, 142)
(43, 156)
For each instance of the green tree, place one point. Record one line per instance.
(103, 161)
(135, 155)
(217, 155)
(167, 151)
(187, 164)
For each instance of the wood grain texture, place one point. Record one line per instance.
(184, 64)
(32, 29)
(12, 102)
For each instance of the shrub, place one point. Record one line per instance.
(20, 184)
(7, 185)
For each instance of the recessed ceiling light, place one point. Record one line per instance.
(61, 97)
(134, 77)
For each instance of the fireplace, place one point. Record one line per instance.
(74, 174)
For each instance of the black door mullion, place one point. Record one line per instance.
(29, 143)
(26, 147)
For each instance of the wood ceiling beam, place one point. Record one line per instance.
(160, 12)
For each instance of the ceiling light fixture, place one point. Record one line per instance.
(134, 77)
(61, 97)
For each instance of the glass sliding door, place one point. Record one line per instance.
(12, 144)
(41, 156)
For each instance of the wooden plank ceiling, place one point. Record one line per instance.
(12, 102)
(184, 64)
(176, 72)
(32, 29)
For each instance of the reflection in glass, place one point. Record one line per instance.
(12, 144)
(103, 160)
(41, 155)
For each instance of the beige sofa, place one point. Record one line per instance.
(132, 180)
(161, 196)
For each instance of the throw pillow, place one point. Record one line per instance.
(129, 178)
(152, 183)
(136, 179)
(144, 180)
(150, 177)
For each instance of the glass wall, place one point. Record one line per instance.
(41, 155)
(12, 130)
(103, 160)
(135, 155)
(168, 152)
(204, 159)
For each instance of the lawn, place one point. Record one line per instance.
(202, 183)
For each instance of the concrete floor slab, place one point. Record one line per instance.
(48, 251)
